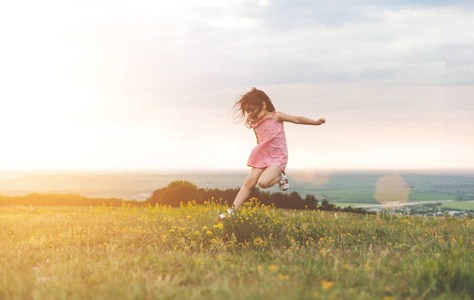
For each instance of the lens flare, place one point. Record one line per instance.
(317, 179)
(392, 190)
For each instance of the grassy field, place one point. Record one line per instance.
(263, 253)
(467, 205)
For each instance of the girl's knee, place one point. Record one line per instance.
(264, 184)
(249, 183)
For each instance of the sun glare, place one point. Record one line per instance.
(41, 117)
(392, 190)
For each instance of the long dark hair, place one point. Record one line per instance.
(250, 101)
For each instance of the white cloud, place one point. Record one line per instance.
(147, 69)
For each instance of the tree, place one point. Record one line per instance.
(296, 201)
(325, 205)
(175, 193)
(311, 202)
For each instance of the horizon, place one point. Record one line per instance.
(140, 185)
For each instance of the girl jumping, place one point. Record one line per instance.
(269, 158)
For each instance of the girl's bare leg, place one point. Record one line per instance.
(270, 177)
(246, 188)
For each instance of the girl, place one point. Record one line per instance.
(269, 158)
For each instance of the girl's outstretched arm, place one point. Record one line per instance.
(281, 117)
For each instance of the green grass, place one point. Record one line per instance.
(367, 196)
(263, 253)
(353, 204)
(414, 196)
(349, 196)
(467, 205)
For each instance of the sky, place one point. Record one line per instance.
(149, 85)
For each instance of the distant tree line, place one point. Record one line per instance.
(59, 200)
(177, 193)
(181, 192)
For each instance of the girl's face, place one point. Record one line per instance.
(254, 113)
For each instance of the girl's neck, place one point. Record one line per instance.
(262, 115)
(265, 114)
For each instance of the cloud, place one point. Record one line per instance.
(131, 68)
(197, 54)
(407, 46)
(183, 45)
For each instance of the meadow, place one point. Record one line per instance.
(158, 252)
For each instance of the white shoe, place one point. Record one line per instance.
(284, 185)
(230, 213)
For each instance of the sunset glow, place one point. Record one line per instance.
(147, 86)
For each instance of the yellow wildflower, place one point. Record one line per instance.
(326, 284)
(273, 268)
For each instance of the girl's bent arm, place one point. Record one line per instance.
(281, 117)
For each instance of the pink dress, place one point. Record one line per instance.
(271, 149)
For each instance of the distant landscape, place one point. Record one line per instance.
(339, 187)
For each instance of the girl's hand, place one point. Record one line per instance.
(321, 121)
